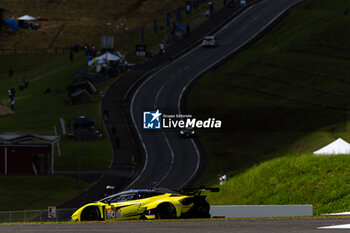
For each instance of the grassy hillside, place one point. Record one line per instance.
(69, 22)
(84, 21)
(301, 179)
(22, 193)
(286, 94)
(37, 112)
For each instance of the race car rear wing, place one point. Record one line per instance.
(198, 190)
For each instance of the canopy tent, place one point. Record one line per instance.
(106, 57)
(27, 22)
(337, 147)
(26, 18)
(81, 83)
(83, 122)
(84, 129)
(81, 96)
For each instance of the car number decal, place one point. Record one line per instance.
(110, 213)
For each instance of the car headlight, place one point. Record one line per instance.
(192, 132)
(181, 132)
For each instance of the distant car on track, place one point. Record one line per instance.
(187, 132)
(157, 203)
(209, 41)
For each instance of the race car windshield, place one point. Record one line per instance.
(129, 196)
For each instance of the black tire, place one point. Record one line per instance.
(166, 211)
(202, 209)
(90, 213)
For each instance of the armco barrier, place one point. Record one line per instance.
(250, 211)
(61, 215)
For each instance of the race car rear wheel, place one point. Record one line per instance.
(90, 213)
(166, 211)
(202, 209)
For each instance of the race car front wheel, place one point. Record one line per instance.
(166, 211)
(90, 213)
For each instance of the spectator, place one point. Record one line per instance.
(87, 50)
(10, 72)
(102, 94)
(207, 12)
(71, 56)
(161, 48)
(222, 178)
(106, 114)
(12, 103)
(188, 30)
(25, 81)
(10, 94)
(211, 7)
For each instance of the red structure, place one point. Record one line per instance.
(27, 154)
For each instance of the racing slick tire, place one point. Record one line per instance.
(200, 209)
(166, 211)
(90, 213)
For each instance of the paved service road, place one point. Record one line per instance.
(200, 226)
(172, 161)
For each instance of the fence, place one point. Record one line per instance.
(62, 215)
(34, 51)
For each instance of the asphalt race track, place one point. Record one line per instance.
(201, 226)
(172, 161)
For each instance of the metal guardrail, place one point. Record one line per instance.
(252, 211)
(62, 215)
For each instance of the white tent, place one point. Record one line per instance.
(337, 147)
(107, 57)
(27, 18)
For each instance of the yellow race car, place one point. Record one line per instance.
(156, 203)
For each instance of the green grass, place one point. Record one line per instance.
(300, 179)
(286, 94)
(28, 193)
(39, 113)
(36, 112)
(85, 21)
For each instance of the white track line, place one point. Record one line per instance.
(221, 59)
(343, 226)
(199, 74)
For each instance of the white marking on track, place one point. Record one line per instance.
(343, 226)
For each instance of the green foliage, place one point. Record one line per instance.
(37, 112)
(301, 66)
(322, 181)
(84, 21)
(286, 94)
(39, 192)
